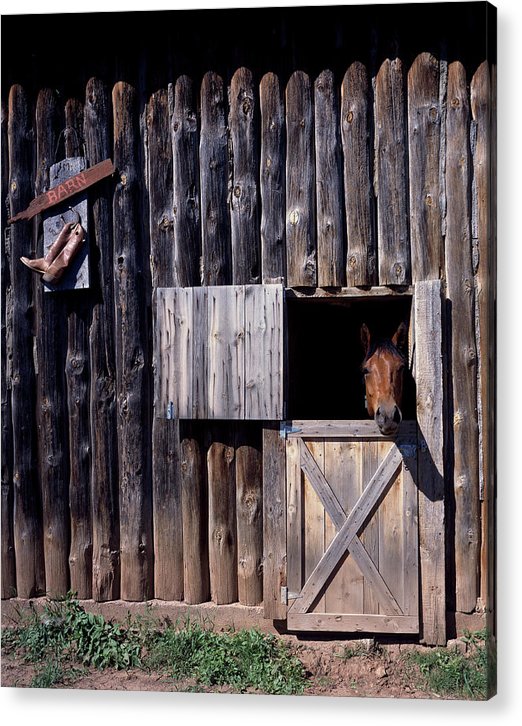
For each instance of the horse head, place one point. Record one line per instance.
(383, 369)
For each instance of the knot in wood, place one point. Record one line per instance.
(302, 123)
(429, 200)
(397, 268)
(455, 102)
(433, 113)
(268, 162)
(175, 126)
(352, 262)
(349, 117)
(14, 186)
(294, 217)
(237, 191)
(247, 105)
(123, 179)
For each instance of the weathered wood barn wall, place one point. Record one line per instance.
(320, 148)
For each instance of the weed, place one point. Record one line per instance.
(450, 673)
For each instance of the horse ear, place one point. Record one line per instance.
(365, 338)
(401, 336)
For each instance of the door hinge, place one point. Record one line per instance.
(285, 428)
(286, 595)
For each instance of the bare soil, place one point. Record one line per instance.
(381, 674)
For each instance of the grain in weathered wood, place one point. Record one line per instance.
(213, 160)
(51, 345)
(187, 223)
(294, 519)
(460, 294)
(131, 258)
(200, 332)
(226, 352)
(195, 516)
(481, 108)
(329, 184)
(353, 623)
(429, 379)
(391, 171)
(77, 374)
(342, 471)
(313, 514)
(244, 213)
(374, 292)
(264, 352)
(391, 564)
(301, 248)
(410, 533)
(222, 534)
(104, 443)
(8, 566)
(272, 180)
(166, 477)
(346, 429)
(370, 536)
(274, 521)
(424, 127)
(249, 511)
(361, 243)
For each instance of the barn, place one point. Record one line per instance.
(183, 414)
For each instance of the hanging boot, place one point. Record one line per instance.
(61, 262)
(41, 264)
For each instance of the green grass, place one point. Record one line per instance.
(450, 673)
(64, 636)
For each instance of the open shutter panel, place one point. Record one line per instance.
(219, 352)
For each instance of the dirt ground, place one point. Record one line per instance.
(362, 668)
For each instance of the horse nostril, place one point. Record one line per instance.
(378, 412)
(397, 416)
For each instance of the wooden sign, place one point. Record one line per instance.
(76, 276)
(66, 189)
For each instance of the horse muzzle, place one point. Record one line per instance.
(388, 419)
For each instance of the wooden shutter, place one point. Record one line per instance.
(219, 352)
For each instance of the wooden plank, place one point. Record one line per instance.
(329, 184)
(78, 374)
(361, 253)
(391, 564)
(301, 250)
(429, 379)
(166, 476)
(481, 108)
(249, 509)
(8, 566)
(362, 510)
(134, 434)
(344, 592)
(313, 514)
(104, 442)
(200, 408)
(370, 534)
(242, 123)
(460, 293)
(294, 519)
(186, 217)
(62, 192)
(264, 341)
(226, 360)
(339, 622)
(410, 534)
(347, 429)
(272, 180)
(391, 175)
(424, 130)
(274, 521)
(222, 537)
(51, 327)
(194, 498)
(213, 156)
(374, 292)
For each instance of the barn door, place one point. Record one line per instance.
(352, 540)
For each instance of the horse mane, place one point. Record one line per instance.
(384, 344)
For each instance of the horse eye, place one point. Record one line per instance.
(365, 371)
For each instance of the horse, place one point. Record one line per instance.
(383, 369)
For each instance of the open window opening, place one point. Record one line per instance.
(325, 353)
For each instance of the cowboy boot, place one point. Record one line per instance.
(58, 266)
(41, 264)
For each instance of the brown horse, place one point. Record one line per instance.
(383, 368)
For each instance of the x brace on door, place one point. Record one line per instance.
(347, 528)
